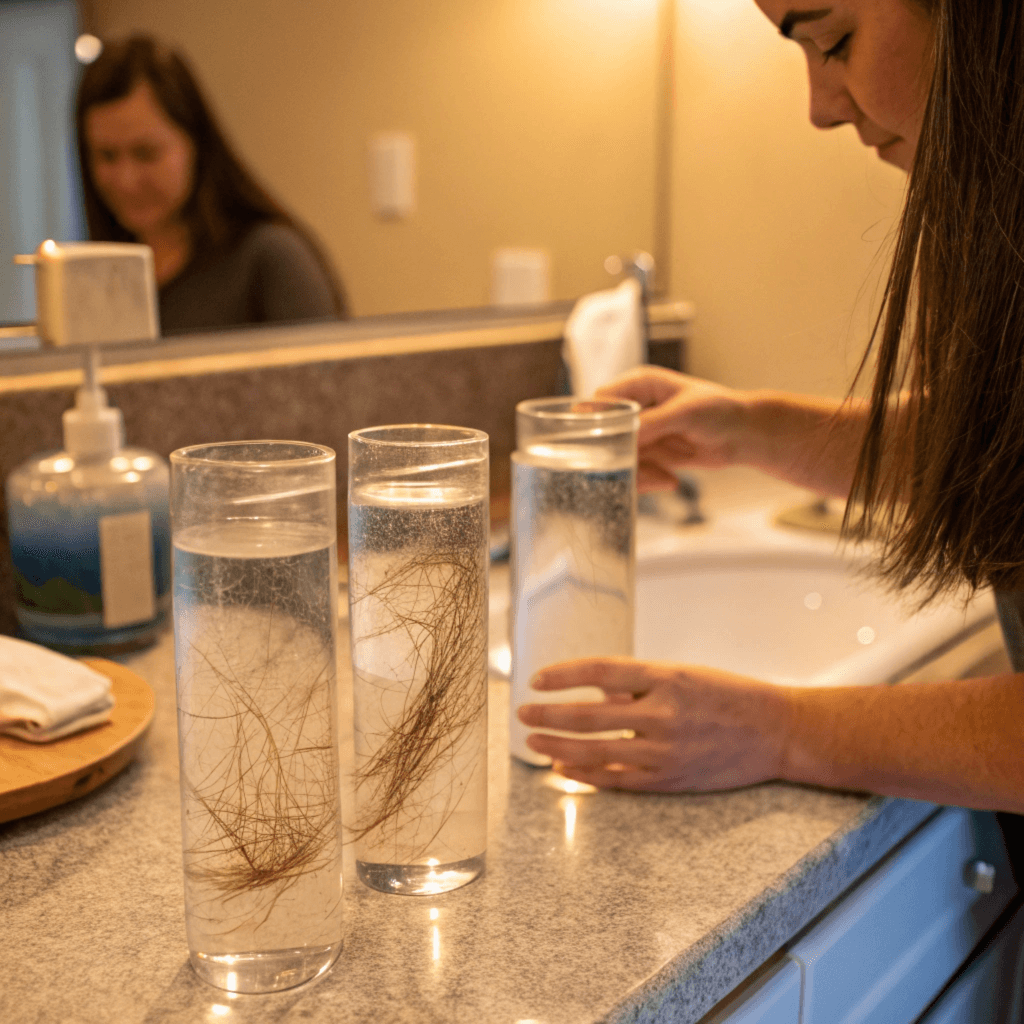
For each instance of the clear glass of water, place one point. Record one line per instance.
(255, 627)
(572, 541)
(418, 560)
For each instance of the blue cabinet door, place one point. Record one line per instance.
(989, 990)
(775, 999)
(890, 947)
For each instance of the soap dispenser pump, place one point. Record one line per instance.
(90, 525)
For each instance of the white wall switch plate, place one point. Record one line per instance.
(393, 175)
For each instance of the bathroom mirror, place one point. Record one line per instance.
(536, 124)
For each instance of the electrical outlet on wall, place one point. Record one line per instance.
(520, 277)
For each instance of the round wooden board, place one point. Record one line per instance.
(37, 776)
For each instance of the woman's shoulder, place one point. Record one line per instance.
(287, 278)
(273, 238)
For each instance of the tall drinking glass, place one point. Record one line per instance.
(418, 559)
(255, 626)
(572, 543)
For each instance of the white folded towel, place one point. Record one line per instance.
(44, 695)
(604, 336)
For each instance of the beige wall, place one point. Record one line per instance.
(535, 121)
(778, 230)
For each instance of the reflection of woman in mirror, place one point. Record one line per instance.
(156, 169)
(935, 457)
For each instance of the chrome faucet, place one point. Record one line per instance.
(641, 266)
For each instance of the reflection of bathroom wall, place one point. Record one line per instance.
(535, 122)
(38, 190)
(778, 229)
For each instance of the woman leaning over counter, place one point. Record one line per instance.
(935, 458)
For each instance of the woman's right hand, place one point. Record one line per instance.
(685, 422)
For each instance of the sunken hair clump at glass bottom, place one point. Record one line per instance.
(941, 471)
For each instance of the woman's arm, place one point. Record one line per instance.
(955, 742)
(813, 442)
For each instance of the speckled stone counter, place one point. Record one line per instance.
(607, 907)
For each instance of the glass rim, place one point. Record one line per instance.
(320, 454)
(540, 408)
(461, 435)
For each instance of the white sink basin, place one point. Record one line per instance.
(777, 604)
(801, 617)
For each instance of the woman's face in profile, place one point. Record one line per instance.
(869, 65)
(141, 162)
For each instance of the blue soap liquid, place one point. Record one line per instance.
(55, 550)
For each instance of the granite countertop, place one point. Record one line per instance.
(599, 907)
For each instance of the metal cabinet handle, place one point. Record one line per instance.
(981, 876)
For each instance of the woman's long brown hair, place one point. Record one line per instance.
(941, 471)
(226, 200)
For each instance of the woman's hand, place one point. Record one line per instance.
(693, 728)
(685, 422)
(809, 441)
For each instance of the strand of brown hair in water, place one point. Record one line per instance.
(449, 642)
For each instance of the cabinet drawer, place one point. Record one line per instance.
(887, 949)
(774, 1000)
(989, 991)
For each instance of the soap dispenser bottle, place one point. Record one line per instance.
(90, 535)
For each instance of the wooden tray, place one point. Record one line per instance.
(37, 776)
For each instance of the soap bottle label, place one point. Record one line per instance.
(126, 568)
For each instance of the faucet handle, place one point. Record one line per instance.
(689, 491)
(981, 876)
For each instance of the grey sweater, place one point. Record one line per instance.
(270, 275)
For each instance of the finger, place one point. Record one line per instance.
(646, 385)
(592, 753)
(613, 675)
(590, 717)
(670, 450)
(651, 477)
(626, 777)
(620, 777)
(657, 422)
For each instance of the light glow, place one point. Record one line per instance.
(563, 785)
(87, 48)
(569, 809)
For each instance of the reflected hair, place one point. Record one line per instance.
(226, 200)
(940, 478)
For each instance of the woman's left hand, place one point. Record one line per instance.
(693, 728)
